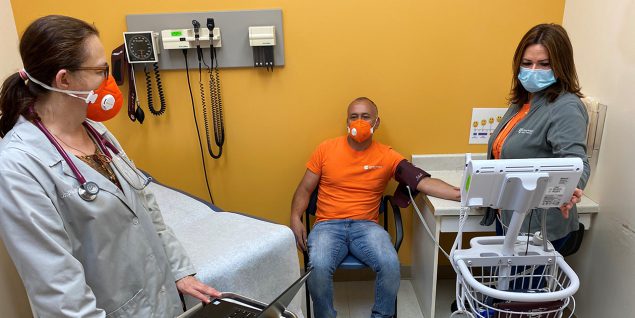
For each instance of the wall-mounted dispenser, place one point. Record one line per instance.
(263, 39)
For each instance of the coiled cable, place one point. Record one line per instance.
(157, 78)
(148, 87)
(198, 133)
(204, 105)
(219, 128)
(216, 104)
(218, 101)
(202, 92)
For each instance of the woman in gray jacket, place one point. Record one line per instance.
(546, 119)
(87, 238)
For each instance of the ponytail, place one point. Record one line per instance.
(15, 99)
(48, 44)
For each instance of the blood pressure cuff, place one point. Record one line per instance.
(407, 175)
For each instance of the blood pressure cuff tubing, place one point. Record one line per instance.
(407, 175)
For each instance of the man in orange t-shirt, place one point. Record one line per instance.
(352, 172)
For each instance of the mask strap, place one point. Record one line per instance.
(90, 98)
(372, 129)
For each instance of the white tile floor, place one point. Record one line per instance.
(355, 299)
(445, 297)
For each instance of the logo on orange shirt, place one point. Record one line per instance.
(367, 167)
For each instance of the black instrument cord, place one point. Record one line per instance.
(528, 231)
(148, 86)
(204, 105)
(217, 107)
(215, 94)
(219, 126)
(198, 133)
(157, 78)
(201, 60)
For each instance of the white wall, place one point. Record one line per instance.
(13, 299)
(603, 38)
(9, 56)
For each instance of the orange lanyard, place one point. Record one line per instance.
(500, 139)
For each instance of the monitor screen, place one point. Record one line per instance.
(515, 184)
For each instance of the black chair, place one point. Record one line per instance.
(350, 261)
(572, 245)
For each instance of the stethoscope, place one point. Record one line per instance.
(88, 190)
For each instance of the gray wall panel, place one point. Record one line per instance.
(235, 50)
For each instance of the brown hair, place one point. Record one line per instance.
(555, 39)
(49, 44)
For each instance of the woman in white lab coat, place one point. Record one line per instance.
(86, 237)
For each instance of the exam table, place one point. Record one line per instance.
(232, 252)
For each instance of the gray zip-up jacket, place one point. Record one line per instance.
(549, 130)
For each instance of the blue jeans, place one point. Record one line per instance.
(329, 243)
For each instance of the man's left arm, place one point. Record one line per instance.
(418, 180)
(439, 188)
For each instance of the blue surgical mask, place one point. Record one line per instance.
(534, 80)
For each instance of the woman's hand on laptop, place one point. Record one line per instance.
(190, 285)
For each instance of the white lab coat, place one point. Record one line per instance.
(111, 257)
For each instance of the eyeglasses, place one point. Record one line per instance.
(104, 69)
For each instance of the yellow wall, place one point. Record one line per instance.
(13, 299)
(425, 64)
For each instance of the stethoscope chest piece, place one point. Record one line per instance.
(88, 191)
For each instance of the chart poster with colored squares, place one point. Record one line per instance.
(484, 121)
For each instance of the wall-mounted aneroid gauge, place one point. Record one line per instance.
(141, 47)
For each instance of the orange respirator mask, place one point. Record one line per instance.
(104, 103)
(360, 130)
(107, 103)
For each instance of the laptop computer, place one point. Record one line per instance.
(222, 308)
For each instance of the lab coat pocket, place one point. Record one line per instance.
(136, 306)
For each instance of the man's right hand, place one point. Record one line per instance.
(299, 204)
(300, 233)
